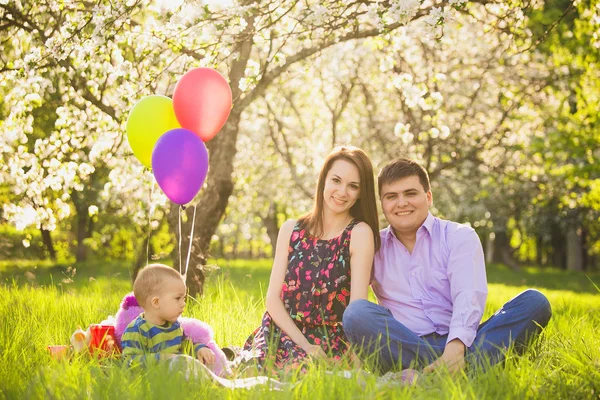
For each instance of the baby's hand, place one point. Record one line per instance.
(206, 355)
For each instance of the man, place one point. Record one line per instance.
(429, 279)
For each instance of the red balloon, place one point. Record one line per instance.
(202, 102)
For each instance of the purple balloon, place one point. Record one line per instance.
(180, 164)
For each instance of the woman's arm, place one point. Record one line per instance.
(275, 306)
(362, 250)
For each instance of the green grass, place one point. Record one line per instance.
(42, 304)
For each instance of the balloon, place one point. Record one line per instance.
(180, 164)
(202, 102)
(148, 120)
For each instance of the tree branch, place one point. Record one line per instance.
(285, 154)
(306, 52)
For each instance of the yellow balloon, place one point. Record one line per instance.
(148, 120)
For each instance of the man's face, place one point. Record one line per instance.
(405, 204)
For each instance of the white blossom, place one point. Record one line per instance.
(92, 210)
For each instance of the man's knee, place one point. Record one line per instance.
(355, 313)
(538, 303)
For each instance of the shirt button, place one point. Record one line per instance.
(413, 273)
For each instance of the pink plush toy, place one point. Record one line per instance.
(194, 329)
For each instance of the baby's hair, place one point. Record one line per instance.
(150, 279)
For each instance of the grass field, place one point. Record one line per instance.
(42, 304)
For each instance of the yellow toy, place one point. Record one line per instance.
(80, 340)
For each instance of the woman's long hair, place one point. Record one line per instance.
(365, 208)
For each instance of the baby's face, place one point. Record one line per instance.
(172, 300)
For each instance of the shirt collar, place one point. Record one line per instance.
(427, 224)
(389, 232)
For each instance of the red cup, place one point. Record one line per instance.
(102, 340)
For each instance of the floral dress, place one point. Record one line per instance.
(315, 292)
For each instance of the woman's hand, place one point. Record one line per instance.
(315, 351)
(354, 360)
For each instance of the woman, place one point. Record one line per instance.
(310, 284)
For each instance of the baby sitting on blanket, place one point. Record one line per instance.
(149, 322)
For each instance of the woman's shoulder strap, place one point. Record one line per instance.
(352, 224)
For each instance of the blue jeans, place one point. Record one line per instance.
(380, 338)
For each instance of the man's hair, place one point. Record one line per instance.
(150, 279)
(402, 168)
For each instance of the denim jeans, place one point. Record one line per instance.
(378, 336)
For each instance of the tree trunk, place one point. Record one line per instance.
(489, 249)
(539, 250)
(210, 208)
(82, 233)
(197, 258)
(220, 248)
(585, 256)
(82, 200)
(214, 196)
(574, 247)
(47, 239)
(234, 246)
(557, 241)
(503, 251)
(144, 256)
(270, 222)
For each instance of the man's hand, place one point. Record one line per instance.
(206, 355)
(453, 357)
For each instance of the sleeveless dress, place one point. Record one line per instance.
(315, 292)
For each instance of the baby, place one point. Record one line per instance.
(160, 291)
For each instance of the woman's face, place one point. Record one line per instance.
(342, 187)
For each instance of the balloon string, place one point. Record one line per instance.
(180, 240)
(150, 221)
(187, 262)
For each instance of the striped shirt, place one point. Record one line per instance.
(143, 339)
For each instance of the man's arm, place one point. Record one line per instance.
(468, 288)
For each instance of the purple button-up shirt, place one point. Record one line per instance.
(441, 287)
